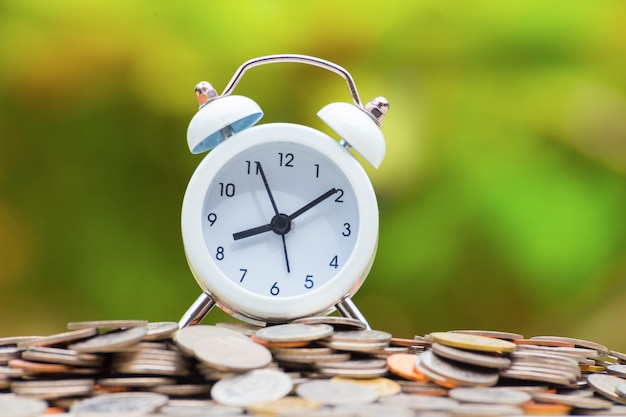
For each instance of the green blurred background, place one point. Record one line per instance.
(502, 197)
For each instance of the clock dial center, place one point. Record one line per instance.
(281, 224)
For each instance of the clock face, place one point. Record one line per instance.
(279, 222)
(280, 219)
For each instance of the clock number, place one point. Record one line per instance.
(274, 290)
(286, 159)
(347, 232)
(340, 195)
(308, 282)
(227, 190)
(245, 271)
(219, 255)
(317, 170)
(249, 165)
(334, 262)
(212, 217)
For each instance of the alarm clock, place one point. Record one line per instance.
(280, 220)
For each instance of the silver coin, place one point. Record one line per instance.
(369, 347)
(471, 357)
(491, 333)
(188, 338)
(294, 332)
(62, 356)
(11, 406)
(362, 336)
(618, 355)
(160, 330)
(53, 389)
(576, 342)
(606, 385)
(198, 408)
(483, 410)
(491, 395)
(110, 342)
(538, 375)
(338, 322)
(572, 401)
(460, 374)
(120, 404)
(230, 353)
(246, 329)
(252, 387)
(421, 402)
(107, 324)
(336, 393)
(137, 381)
(620, 389)
(619, 370)
(60, 338)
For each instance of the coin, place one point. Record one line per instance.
(231, 353)
(188, 338)
(577, 342)
(52, 389)
(110, 342)
(107, 324)
(459, 374)
(572, 401)
(362, 336)
(38, 367)
(338, 322)
(62, 356)
(606, 385)
(471, 358)
(284, 406)
(114, 404)
(491, 333)
(384, 387)
(160, 330)
(473, 342)
(59, 338)
(403, 364)
(252, 387)
(619, 370)
(421, 402)
(620, 389)
(336, 393)
(490, 395)
(294, 332)
(11, 406)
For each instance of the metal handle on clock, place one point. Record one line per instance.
(296, 58)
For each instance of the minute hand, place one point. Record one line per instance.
(313, 203)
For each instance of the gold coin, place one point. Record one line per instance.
(473, 342)
(283, 406)
(384, 387)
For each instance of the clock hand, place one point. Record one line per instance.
(281, 223)
(267, 187)
(253, 231)
(313, 203)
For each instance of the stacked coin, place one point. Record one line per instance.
(316, 366)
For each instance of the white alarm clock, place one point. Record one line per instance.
(280, 221)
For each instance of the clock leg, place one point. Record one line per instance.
(198, 311)
(347, 308)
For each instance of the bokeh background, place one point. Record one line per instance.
(502, 197)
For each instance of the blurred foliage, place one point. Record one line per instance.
(502, 196)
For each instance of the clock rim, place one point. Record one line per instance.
(239, 302)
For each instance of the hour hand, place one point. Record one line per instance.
(253, 231)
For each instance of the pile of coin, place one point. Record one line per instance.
(315, 366)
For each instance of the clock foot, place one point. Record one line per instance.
(347, 308)
(198, 311)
